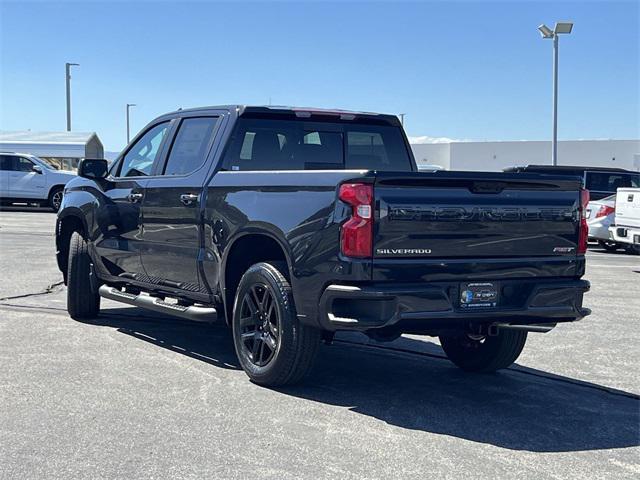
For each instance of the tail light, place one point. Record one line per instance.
(604, 210)
(356, 235)
(583, 233)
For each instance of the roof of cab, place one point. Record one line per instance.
(301, 112)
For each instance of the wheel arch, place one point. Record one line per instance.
(67, 223)
(247, 248)
(53, 187)
(56, 187)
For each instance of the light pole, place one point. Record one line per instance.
(129, 105)
(546, 32)
(401, 115)
(68, 80)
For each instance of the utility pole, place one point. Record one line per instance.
(68, 81)
(554, 147)
(546, 32)
(129, 105)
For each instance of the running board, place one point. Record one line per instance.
(196, 314)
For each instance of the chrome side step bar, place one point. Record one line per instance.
(196, 314)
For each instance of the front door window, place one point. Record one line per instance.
(140, 158)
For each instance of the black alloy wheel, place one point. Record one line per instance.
(259, 325)
(274, 348)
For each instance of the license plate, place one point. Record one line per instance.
(479, 295)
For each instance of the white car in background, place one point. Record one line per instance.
(426, 167)
(626, 226)
(26, 178)
(600, 216)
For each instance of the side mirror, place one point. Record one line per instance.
(93, 168)
(37, 169)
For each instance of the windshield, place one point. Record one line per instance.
(44, 162)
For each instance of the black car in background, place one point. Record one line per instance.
(600, 181)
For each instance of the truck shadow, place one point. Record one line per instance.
(518, 409)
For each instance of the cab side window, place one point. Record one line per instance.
(140, 158)
(6, 162)
(190, 148)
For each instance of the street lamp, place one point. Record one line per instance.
(546, 32)
(401, 115)
(129, 105)
(68, 80)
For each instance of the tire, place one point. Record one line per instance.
(55, 198)
(273, 347)
(608, 245)
(633, 249)
(484, 354)
(83, 301)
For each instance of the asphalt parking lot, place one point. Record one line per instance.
(136, 395)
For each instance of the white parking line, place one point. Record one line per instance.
(613, 266)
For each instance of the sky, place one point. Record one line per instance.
(471, 70)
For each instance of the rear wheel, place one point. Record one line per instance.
(608, 245)
(83, 301)
(484, 353)
(55, 198)
(273, 347)
(633, 249)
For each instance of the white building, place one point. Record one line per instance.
(494, 156)
(63, 149)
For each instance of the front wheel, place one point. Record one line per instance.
(273, 347)
(83, 301)
(55, 198)
(484, 353)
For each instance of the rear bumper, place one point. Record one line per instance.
(625, 234)
(431, 307)
(599, 231)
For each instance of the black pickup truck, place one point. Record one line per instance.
(291, 224)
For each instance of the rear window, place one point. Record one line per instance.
(610, 182)
(265, 144)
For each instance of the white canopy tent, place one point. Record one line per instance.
(63, 149)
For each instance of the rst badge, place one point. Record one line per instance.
(563, 249)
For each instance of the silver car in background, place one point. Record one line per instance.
(600, 216)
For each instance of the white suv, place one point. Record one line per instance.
(26, 178)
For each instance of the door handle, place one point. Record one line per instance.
(134, 197)
(189, 198)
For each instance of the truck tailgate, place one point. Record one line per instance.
(628, 207)
(472, 215)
